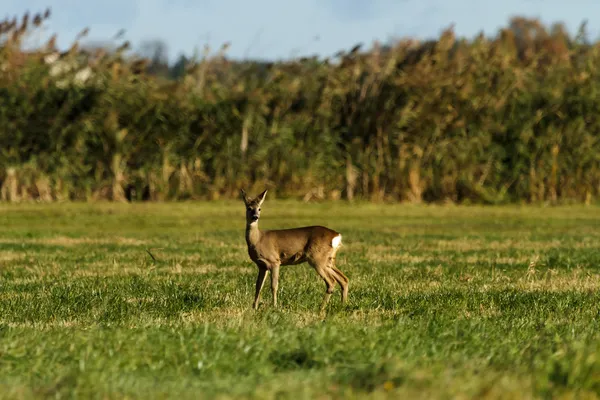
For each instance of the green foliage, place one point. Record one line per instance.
(508, 118)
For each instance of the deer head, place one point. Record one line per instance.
(253, 206)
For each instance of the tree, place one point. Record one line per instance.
(157, 52)
(178, 69)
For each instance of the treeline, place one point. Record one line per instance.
(514, 117)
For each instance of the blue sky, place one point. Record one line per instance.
(274, 29)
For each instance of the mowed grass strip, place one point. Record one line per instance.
(153, 301)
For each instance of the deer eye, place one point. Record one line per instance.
(259, 209)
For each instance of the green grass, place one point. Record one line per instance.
(444, 302)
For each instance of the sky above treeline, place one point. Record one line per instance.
(279, 29)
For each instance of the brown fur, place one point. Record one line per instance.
(271, 249)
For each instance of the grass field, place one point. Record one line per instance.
(445, 302)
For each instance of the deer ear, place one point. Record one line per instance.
(244, 197)
(261, 197)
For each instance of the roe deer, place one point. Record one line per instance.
(269, 250)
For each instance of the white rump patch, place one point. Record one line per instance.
(336, 241)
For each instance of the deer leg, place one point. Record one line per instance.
(341, 279)
(274, 283)
(329, 282)
(260, 280)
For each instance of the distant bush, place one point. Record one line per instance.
(511, 118)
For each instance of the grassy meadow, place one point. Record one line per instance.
(154, 300)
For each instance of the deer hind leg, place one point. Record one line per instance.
(334, 271)
(260, 280)
(323, 271)
(340, 278)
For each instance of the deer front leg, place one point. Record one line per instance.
(260, 280)
(274, 282)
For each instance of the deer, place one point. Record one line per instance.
(270, 249)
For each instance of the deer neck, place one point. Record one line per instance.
(252, 234)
